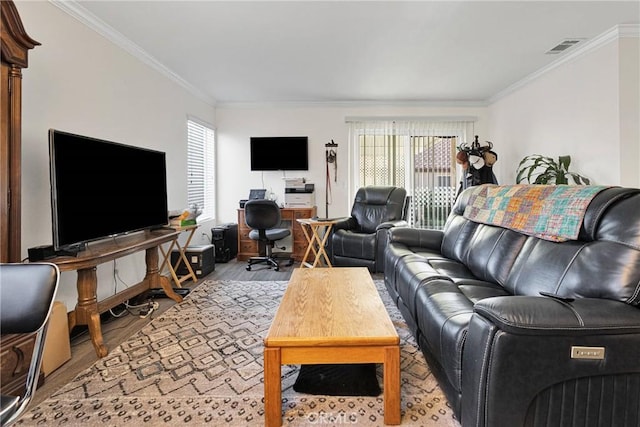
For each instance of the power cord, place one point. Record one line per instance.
(122, 313)
(151, 307)
(143, 310)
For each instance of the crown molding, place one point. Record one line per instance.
(352, 104)
(628, 30)
(441, 119)
(73, 9)
(615, 33)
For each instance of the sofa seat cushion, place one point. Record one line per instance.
(349, 244)
(426, 254)
(443, 309)
(477, 290)
(398, 255)
(414, 270)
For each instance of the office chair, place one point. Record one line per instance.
(262, 216)
(27, 294)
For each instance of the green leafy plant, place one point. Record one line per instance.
(537, 169)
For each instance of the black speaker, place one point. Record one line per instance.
(225, 238)
(40, 253)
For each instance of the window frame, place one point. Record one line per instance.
(407, 137)
(201, 167)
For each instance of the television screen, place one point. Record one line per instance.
(101, 189)
(280, 153)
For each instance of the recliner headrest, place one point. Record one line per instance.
(374, 195)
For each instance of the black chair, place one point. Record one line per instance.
(360, 240)
(27, 293)
(263, 216)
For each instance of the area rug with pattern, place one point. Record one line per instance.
(200, 362)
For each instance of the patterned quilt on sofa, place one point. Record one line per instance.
(550, 212)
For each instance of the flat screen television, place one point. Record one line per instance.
(101, 189)
(279, 153)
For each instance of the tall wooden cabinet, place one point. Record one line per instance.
(15, 45)
(16, 350)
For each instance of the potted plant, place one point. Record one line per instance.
(537, 169)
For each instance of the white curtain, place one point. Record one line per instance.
(414, 153)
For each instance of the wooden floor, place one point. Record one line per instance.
(117, 330)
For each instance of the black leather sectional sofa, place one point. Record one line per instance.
(523, 331)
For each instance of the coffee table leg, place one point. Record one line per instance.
(272, 387)
(392, 385)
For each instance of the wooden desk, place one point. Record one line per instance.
(316, 231)
(248, 248)
(325, 317)
(88, 308)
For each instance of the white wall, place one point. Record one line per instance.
(79, 82)
(629, 88)
(236, 124)
(586, 107)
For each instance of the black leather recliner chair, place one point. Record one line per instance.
(360, 240)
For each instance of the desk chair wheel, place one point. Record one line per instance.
(277, 268)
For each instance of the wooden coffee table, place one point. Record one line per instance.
(331, 316)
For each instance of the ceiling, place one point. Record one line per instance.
(351, 51)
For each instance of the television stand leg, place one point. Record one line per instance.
(95, 331)
(86, 312)
(165, 282)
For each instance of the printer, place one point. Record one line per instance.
(298, 193)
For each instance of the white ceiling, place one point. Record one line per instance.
(351, 51)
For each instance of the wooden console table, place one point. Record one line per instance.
(88, 308)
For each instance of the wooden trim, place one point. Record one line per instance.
(15, 40)
(14, 44)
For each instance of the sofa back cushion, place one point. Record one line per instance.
(604, 262)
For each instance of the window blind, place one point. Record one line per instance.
(418, 155)
(201, 168)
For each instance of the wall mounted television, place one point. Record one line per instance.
(102, 189)
(279, 153)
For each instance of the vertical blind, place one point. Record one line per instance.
(418, 155)
(201, 167)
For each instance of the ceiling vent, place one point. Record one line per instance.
(563, 45)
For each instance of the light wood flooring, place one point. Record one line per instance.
(116, 330)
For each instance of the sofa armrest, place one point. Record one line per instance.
(531, 315)
(417, 237)
(347, 223)
(522, 349)
(382, 240)
(390, 224)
